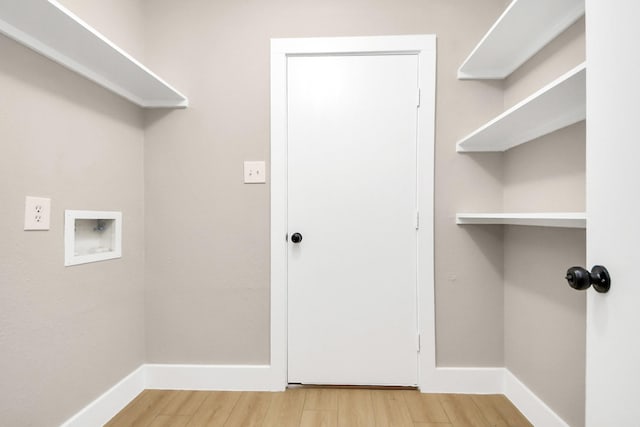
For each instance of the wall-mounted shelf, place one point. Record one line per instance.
(53, 31)
(559, 104)
(564, 219)
(524, 28)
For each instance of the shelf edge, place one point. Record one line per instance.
(62, 59)
(570, 118)
(182, 103)
(500, 73)
(561, 220)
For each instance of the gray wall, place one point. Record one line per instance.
(544, 319)
(121, 21)
(177, 176)
(207, 270)
(66, 334)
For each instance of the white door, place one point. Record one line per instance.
(613, 208)
(352, 197)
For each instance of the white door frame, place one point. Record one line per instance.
(425, 47)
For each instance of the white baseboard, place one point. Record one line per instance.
(493, 381)
(531, 406)
(213, 377)
(464, 380)
(175, 377)
(102, 409)
(266, 378)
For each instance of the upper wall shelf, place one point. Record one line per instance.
(522, 30)
(53, 31)
(565, 219)
(559, 104)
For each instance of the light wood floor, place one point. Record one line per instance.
(310, 407)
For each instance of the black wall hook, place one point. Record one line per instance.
(580, 279)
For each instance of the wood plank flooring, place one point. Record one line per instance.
(316, 407)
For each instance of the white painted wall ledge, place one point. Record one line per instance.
(72, 43)
(265, 378)
(524, 28)
(540, 219)
(559, 104)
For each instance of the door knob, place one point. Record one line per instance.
(296, 237)
(580, 279)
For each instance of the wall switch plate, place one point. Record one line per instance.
(255, 172)
(37, 213)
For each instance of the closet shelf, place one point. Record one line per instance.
(555, 219)
(559, 104)
(524, 28)
(53, 31)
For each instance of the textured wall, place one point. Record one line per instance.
(544, 318)
(121, 21)
(81, 328)
(67, 334)
(207, 234)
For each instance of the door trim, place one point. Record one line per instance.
(425, 47)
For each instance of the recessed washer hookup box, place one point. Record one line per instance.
(91, 236)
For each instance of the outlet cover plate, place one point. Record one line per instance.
(255, 172)
(37, 213)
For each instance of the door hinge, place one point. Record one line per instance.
(417, 220)
(419, 96)
(419, 344)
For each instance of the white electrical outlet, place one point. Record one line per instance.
(254, 172)
(37, 213)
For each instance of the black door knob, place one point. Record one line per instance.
(580, 279)
(296, 237)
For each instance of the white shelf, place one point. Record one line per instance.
(522, 30)
(559, 104)
(53, 31)
(564, 219)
